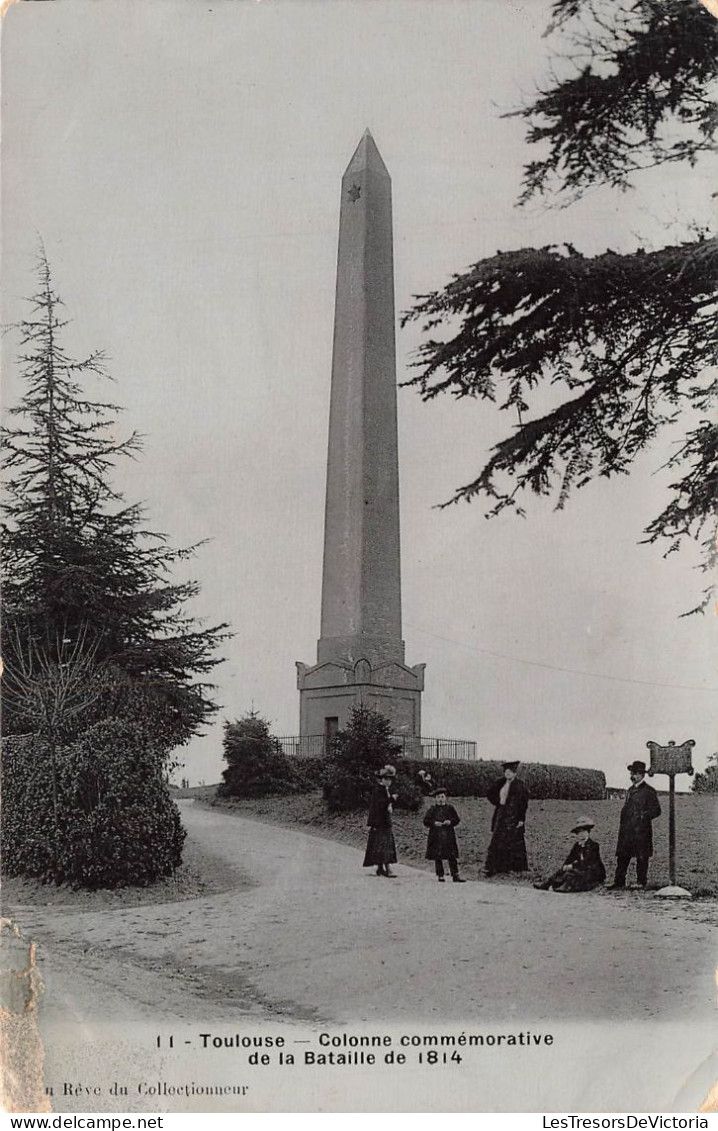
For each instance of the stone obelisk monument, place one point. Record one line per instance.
(360, 652)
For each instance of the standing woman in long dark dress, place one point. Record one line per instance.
(380, 848)
(510, 798)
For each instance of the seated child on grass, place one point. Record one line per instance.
(583, 868)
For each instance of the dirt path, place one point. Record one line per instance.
(297, 940)
(313, 936)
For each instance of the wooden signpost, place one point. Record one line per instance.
(671, 760)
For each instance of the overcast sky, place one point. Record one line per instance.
(182, 162)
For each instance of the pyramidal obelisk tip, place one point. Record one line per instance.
(367, 156)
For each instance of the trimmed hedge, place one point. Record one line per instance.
(310, 772)
(469, 779)
(472, 779)
(116, 822)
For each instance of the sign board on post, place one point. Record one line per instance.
(671, 760)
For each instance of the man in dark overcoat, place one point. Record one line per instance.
(441, 819)
(635, 833)
(510, 798)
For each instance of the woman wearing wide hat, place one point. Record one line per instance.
(583, 869)
(380, 848)
(510, 798)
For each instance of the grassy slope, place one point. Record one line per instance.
(547, 832)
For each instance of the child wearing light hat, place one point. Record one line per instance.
(583, 868)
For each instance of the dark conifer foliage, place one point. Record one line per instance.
(615, 346)
(256, 764)
(360, 750)
(637, 93)
(78, 565)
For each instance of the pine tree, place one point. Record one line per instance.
(625, 342)
(256, 764)
(78, 566)
(359, 751)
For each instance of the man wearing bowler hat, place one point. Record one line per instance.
(635, 835)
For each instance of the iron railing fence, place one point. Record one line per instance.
(437, 749)
(305, 745)
(429, 749)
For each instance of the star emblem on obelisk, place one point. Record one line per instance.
(354, 193)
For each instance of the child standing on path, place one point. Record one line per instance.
(441, 820)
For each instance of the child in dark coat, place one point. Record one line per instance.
(441, 820)
(583, 868)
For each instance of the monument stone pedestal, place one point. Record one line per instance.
(329, 691)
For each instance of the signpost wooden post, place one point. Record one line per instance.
(671, 760)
